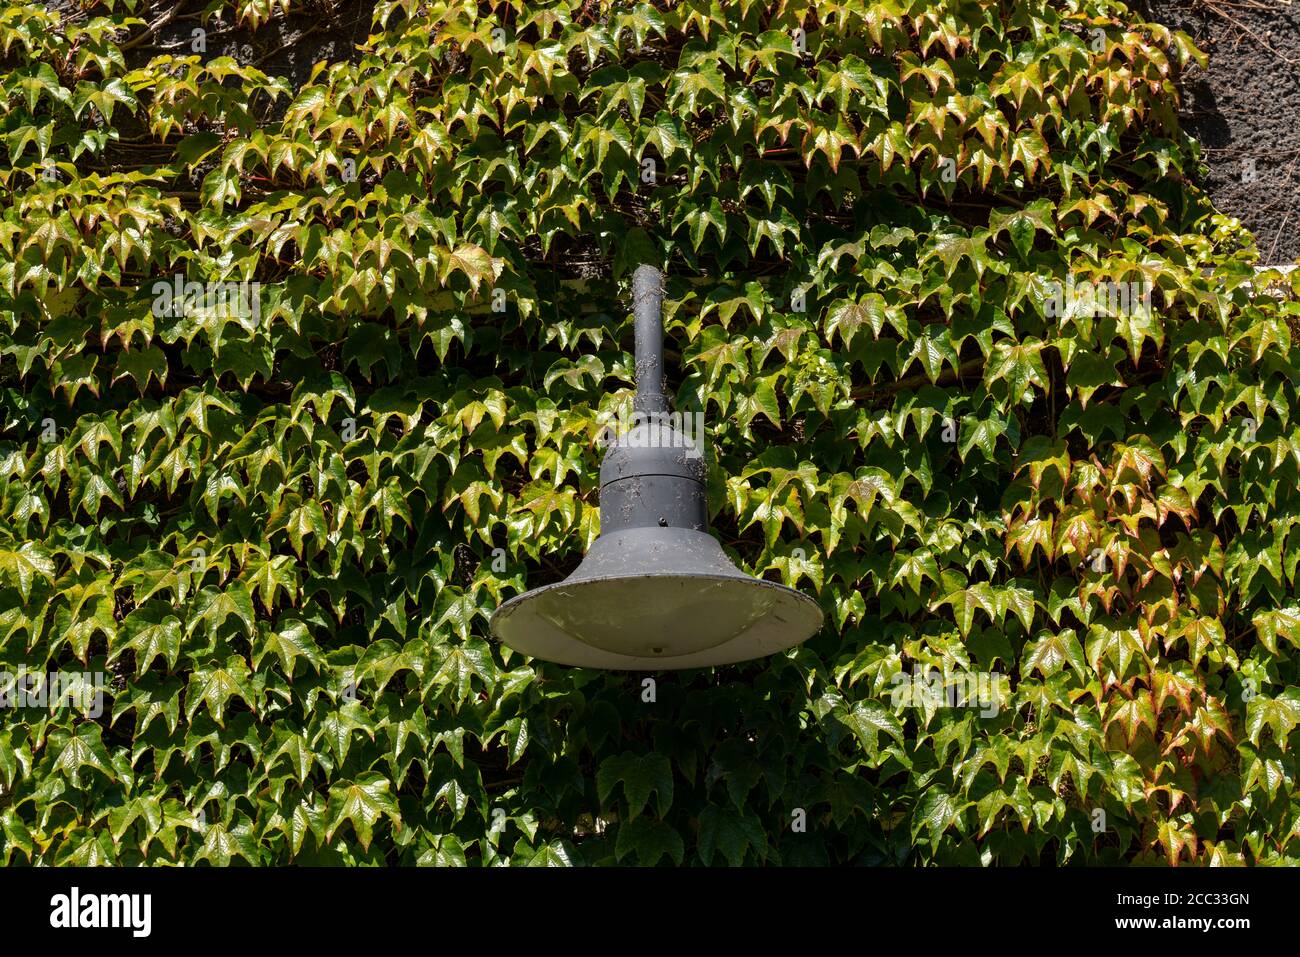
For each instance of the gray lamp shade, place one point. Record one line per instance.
(655, 592)
(652, 599)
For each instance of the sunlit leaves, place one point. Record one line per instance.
(362, 802)
(83, 749)
(24, 563)
(1279, 714)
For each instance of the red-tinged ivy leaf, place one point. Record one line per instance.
(1026, 534)
(1176, 836)
(1131, 714)
(474, 262)
(1209, 720)
(1052, 652)
(1181, 685)
(870, 311)
(1202, 635)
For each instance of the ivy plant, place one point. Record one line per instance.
(300, 380)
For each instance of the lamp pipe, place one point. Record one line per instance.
(647, 304)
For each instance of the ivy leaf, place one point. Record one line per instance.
(1280, 713)
(1022, 224)
(307, 520)
(289, 644)
(1020, 366)
(473, 262)
(867, 720)
(150, 634)
(221, 845)
(1052, 652)
(553, 854)
(23, 564)
(639, 775)
(214, 605)
(1270, 625)
(362, 801)
(462, 663)
(215, 685)
(730, 832)
(650, 841)
(338, 725)
(84, 749)
(937, 812)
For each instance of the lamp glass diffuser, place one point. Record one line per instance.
(655, 591)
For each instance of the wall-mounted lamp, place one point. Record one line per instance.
(655, 592)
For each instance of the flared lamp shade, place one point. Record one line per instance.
(652, 599)
(655, 591)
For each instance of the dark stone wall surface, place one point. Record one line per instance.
(1245, 111)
